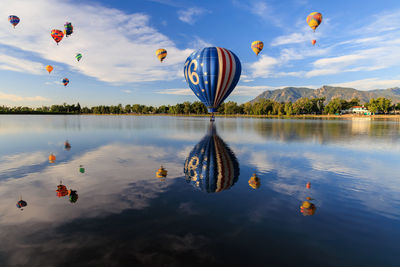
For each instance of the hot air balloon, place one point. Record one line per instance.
(68, 29)
(257, 46)
(49, 68)
(67, 145)
(161, 54)
(62, 190)
(65, 81)
(14, 20)
(21, 203)
(212, 73)
(314, 20)
(73, 196)
(308, 185)
(52, 158)
(78, 56)
(314, 42)
(254, 182)
(57, 35)
(81, 169)
(161, 173)
(211, 165)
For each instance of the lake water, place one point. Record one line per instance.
(204, 213)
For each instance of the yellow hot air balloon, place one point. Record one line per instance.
(257, 46)
(314, 20)
(161, 54)
(49, 68)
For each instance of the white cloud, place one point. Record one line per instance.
(191, 14)
(127, 91)
(117, 47)
(263, 67)
(370, 84)
(17, 98)
(293, 38)
(177, 91)
(20, 65)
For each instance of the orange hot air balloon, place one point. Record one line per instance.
(52, 158)
(57, 35)
(308, 185)
(314, 42)
(314, 20)
(49, 68)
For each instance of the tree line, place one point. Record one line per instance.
(261, 107)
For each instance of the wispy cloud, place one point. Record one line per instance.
(117, 47)
(127, 91)
(263, 67)
(369, 84)
(20, 65)
(17, 98)
(178, 91)
(190, 15)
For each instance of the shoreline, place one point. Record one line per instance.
(305, 116)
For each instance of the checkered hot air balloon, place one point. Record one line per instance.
(68, 29)
(211, 165)
(14, 20)
(57, 35)
(212, 73)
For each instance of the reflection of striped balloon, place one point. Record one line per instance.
(257, 46)
(14, 20)
(212, 73)
(57, 35)
(78, 56)
(161, 54)
(211, 165)
(314, 19)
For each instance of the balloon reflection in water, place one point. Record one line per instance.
(21, 204)
(73, 196)
(67, 145)
(307, 208)
(211, 165)
(254, 182)
(62, 190)
(162, 173)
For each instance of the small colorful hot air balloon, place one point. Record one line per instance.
(49, 68)
(314, 20)
(257, 46)
(78, 56)
(161, 173)
(308, 185)
(212, 73)
(52, 158)
(14, 20)
(65, 81)
(73, 196)
(81, 169)
(254, 182)
(314, 42)
(57, 35)
(62, 190)
(161, 54)
(68, 29)
(67, 145)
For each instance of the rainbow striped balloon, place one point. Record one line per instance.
(14, 20)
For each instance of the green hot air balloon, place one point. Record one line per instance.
(78, 56)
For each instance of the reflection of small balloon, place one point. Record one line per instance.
(307, 208)
(308, 185)
(62, 190)
(161, 173)
(73, 196)
(67, 145)
(52, 158)
(21, 204)
(81, 169)
(254, 182)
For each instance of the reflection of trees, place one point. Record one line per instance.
(325, 130)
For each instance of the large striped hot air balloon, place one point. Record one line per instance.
(212, 73)
(57, 35)
(161, 54)
(14, 20)
(211, 165)
(257, 46)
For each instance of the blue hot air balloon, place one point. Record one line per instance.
(212, 73)
(211, 165)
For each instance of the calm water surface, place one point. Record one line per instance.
(204, 212)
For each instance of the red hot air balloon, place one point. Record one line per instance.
(57, 35)
(314, 42)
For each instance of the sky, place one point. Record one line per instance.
(358, 46)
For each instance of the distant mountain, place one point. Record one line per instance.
(330, 92)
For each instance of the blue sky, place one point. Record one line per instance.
(358, 45)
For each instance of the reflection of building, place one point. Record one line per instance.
(211, 165)
(360, 110)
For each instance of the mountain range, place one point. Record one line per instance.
(329, 92)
